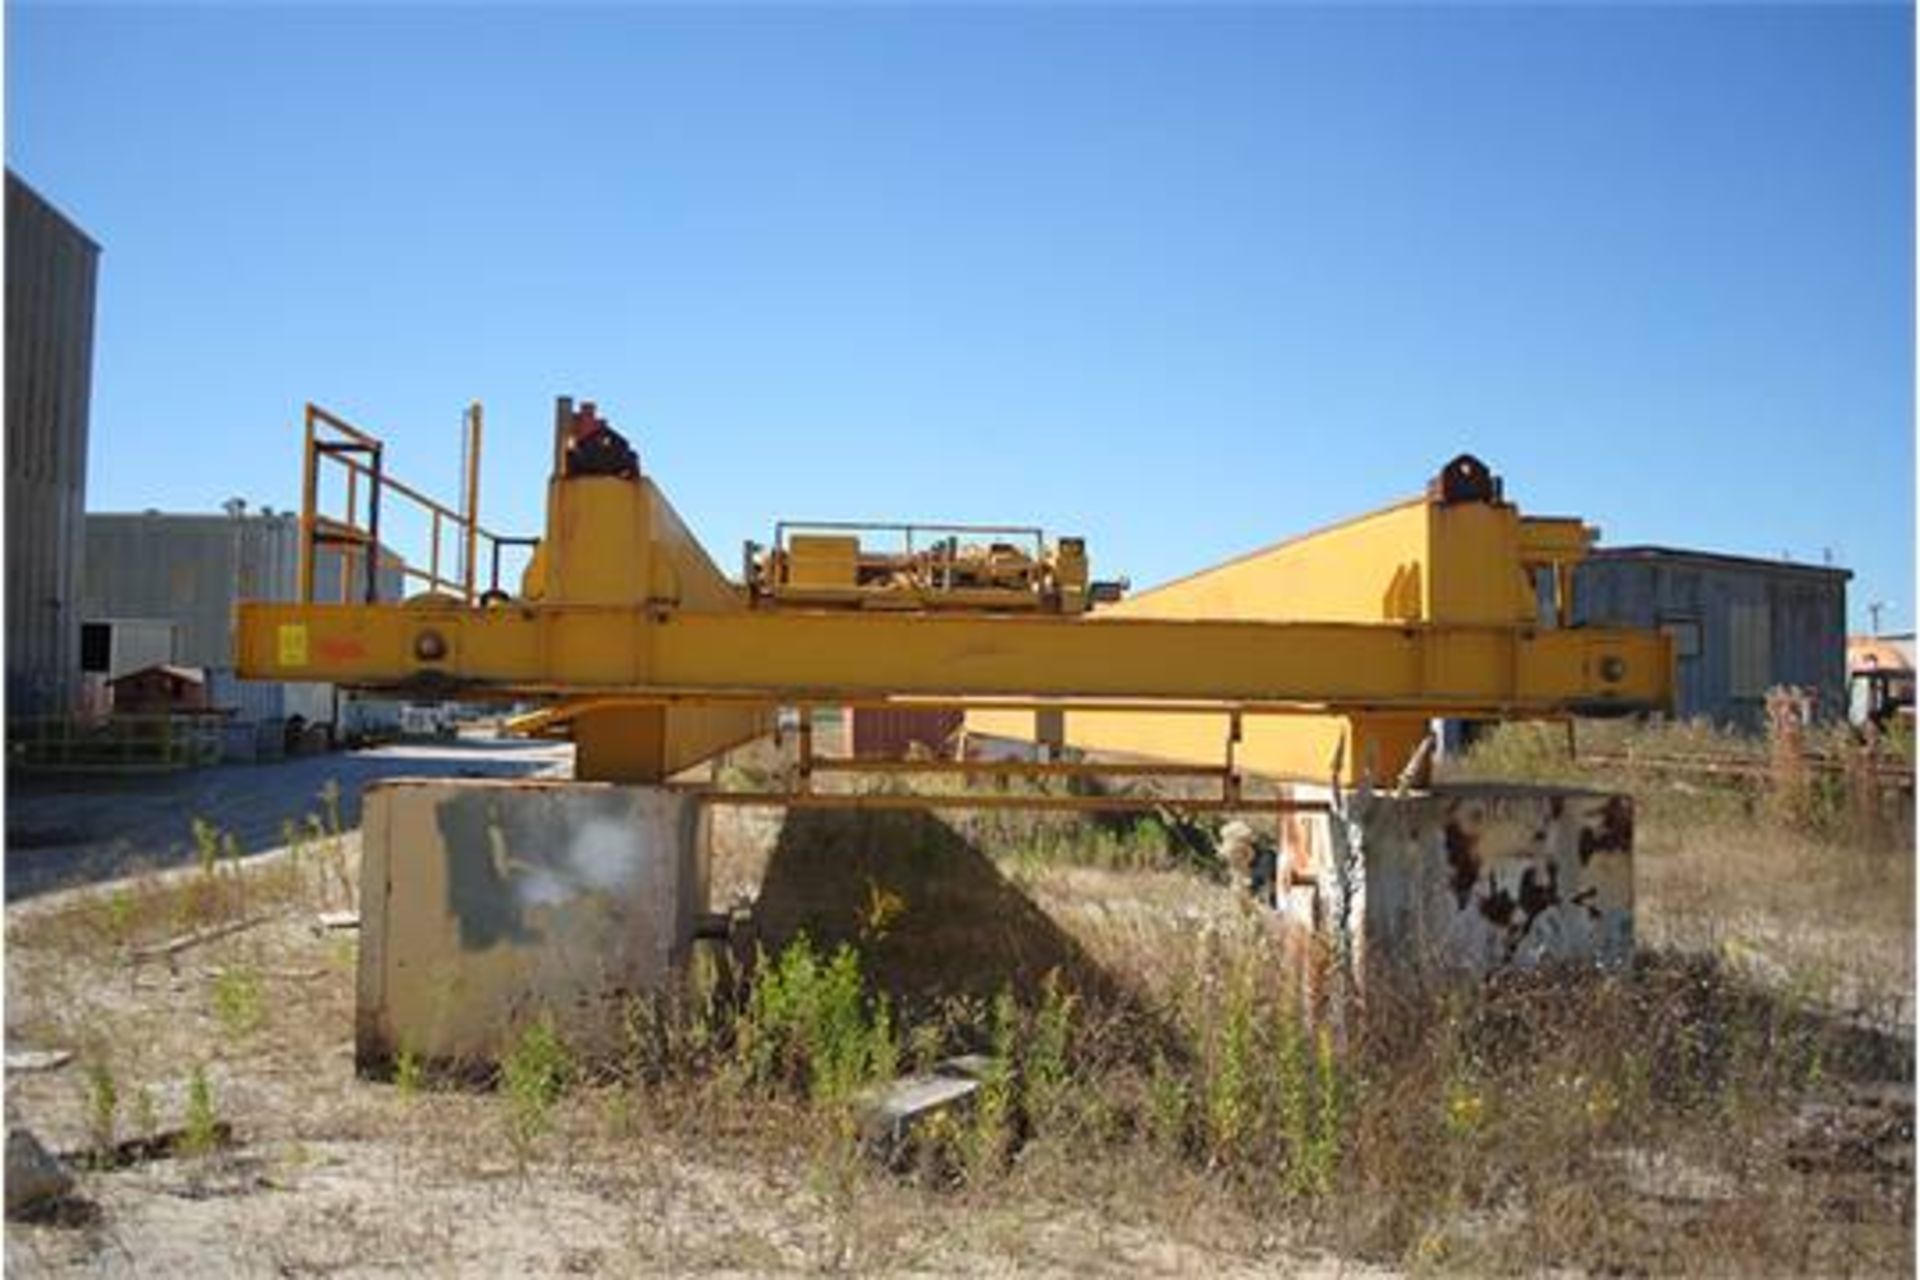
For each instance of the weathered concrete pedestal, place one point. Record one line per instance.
(1462, 879)
(485, 905)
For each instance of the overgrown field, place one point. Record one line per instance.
(1153, 1098)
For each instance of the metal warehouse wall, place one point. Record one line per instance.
(51, 271)
(191, 569)
(188, 569)
(1740, 626)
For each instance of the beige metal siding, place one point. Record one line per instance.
(51, 270)
(181, 568)
(192, 569)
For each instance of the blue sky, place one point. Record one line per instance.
(1182, 280)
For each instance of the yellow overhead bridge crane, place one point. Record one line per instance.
(1337, 646)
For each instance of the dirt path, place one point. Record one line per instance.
(72, 829)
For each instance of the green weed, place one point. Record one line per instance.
(1167, 1104)
(120, 913)
(1294, 1083)
(1323, 1151)
(202, 1131)
(1227, 1091)
(237, 1001)
(206, 845)
(146, 1120)
(535, 1075)
(1044, 1069)
(807, 1025)
(989, 1140)
(103, 1105)
(409, 1074)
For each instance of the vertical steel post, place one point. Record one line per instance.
(562, 421)
(473, 502)
(805, 764)
(309, 496)
(373, 530)
(1230, 781)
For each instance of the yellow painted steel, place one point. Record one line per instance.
(1303, 746)
(824, 560)
(612, 541)
(1353, 636)
(1453, 557)
(962, 568)
(791, 656)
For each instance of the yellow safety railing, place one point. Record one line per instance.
(360, 455)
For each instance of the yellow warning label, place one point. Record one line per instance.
(293, 644)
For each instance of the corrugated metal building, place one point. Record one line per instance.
(187, 571)
(51, 272)
(1740, 626)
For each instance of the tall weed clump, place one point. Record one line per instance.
(809, 1025)
(535, 1074)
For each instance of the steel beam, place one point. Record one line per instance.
(797, 656)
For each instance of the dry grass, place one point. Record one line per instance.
(1163, 1106)
(1819, 899)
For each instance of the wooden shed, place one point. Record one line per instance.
(160, 689)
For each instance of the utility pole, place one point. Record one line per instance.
(1873, 613)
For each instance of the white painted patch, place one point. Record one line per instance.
(607, 855)
(603, 856)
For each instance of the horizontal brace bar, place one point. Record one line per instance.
(1017, 768)
(317, 414)
(1882, 771)
(883, 526)
(613, 696)
(1069, 804)
(431, 504)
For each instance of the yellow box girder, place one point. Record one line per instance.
(793, 656)
(1457, 558)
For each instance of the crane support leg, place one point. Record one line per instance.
(621, 744)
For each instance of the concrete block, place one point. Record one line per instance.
(486, 904)
(1461, 879)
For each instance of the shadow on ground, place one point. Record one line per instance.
(960, 928)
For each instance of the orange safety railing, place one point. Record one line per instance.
(330, 440)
